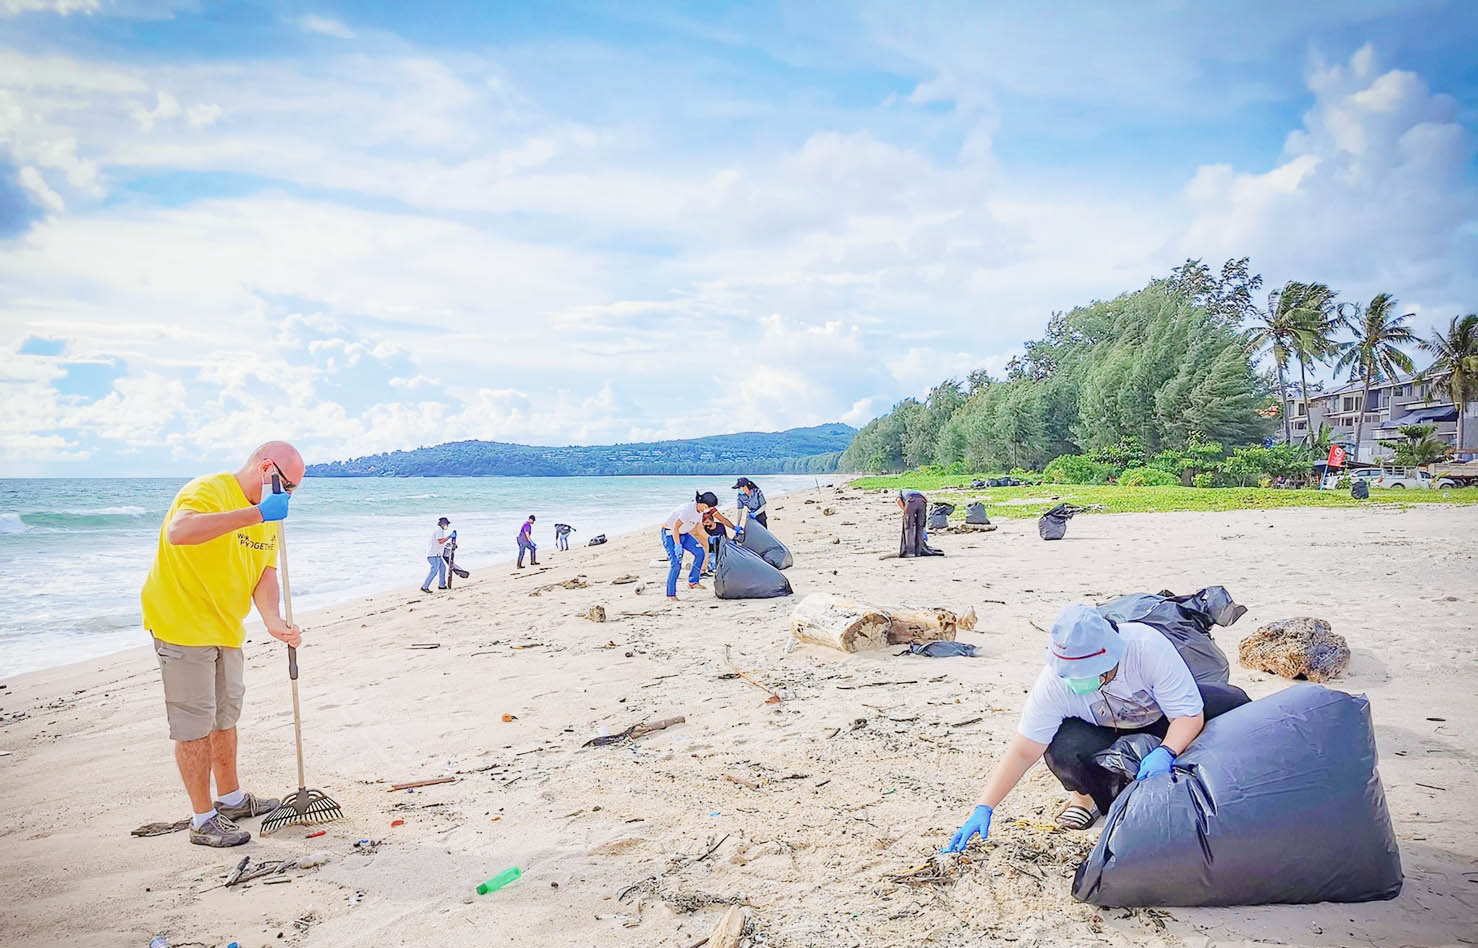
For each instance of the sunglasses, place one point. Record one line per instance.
(286, 484)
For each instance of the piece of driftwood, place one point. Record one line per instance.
(774, 698)
(852, 626)
(421, 783)
(633, 732)
(729, 930)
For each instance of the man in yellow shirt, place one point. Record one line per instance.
(217, 554)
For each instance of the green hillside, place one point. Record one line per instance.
(795, 451)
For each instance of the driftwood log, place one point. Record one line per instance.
(851, 626)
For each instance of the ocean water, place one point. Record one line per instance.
(74, 551)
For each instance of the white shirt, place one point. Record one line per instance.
(1153, 682)
(433, 546)
(688, 514)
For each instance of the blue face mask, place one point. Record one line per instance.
(1084, 686)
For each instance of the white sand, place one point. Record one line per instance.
(853, 783)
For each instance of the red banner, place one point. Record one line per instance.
(1336, 456)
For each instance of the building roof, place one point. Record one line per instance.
(1350, 388)
(1423, 415)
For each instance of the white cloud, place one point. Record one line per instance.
(199, 116)
(166, 106)
(326, 26)
(63, 7)
(32, 181)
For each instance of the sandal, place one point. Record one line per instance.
(1075, 817)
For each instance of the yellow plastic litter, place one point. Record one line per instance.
(1025, 823)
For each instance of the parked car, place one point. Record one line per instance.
(1397, 477)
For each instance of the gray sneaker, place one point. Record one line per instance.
(251, 806)
(218, 831)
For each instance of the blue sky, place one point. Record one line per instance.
(371, 226)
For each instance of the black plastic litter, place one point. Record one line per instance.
(1360, 490)
(1278, 801)
(597, 540)
(1053, 523)
(941, 650)
(978, 483)
(1186, 621)
(939, 516)
(975, 513)
(741, 573)
(759, 539)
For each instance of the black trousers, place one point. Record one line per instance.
(1070, 755)
(915, 513)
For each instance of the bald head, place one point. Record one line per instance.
(265, 461)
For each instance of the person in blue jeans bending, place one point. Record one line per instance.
(433, 556)
(678, 535)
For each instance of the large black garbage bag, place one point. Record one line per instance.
(1053, 523)
(1360, 490)
(759, 539)
(741, 573)
(1277, 801)
(975, 513)
(1186, 621)
(939, 516)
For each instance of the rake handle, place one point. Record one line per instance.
(292, 653)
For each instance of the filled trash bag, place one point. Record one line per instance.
(597, 540)
(1053, 523)
(741, 573)
(975, 513)
(939, 516)
(940, 649)
(1277, 801)
(1186, 621)
(1360, 490)
(759, 539)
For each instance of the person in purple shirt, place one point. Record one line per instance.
(526, 543)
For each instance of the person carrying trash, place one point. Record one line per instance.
(679, 533)
(1102, 681)
(915, 507)
(716, 534)
(751, 502)
(562, 533)
(526, 543)
(216, 557)
(434, 549)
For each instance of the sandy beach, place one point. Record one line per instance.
(800, 809)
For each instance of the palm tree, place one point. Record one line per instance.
(1308, 314)
(1272, 331)
(1375, 352)
(1456, 353)
(1416, 446)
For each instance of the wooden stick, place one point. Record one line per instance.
(741, 781)
(662, 725)
(421, 783)
(745, 675)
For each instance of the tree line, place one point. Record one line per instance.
(1172, 367)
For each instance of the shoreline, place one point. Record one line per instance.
(809, 805)
(482, 561)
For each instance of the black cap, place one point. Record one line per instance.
(443, 522)
(707, 497)
(742, 482)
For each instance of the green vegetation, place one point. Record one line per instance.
(1160, 368)
(796, 451)
(1456, 353)
(1030, 502)
(1416, 446)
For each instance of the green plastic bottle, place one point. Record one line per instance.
(500, 880)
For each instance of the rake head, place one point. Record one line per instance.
(301, 809)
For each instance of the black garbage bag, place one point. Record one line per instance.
(1360, 490)
(1277, 801)
(975, 513)
(978, 483)
(1053, 523)
(941, 649)
(939, 516)
(741, 573)
(759, 539)
(1122, 758)
(597, 540)
(1186, 621)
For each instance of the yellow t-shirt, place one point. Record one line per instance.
(199, 595)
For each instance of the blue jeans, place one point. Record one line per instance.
(675, 559)
(438, 572)
(529, 547)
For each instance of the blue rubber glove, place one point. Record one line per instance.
(454, 534)
(273, 506)
(1156, 762)
(739, 535)
(978, 823)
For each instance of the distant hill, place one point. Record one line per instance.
(795, 451)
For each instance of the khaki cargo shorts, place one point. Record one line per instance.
(204, 686)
